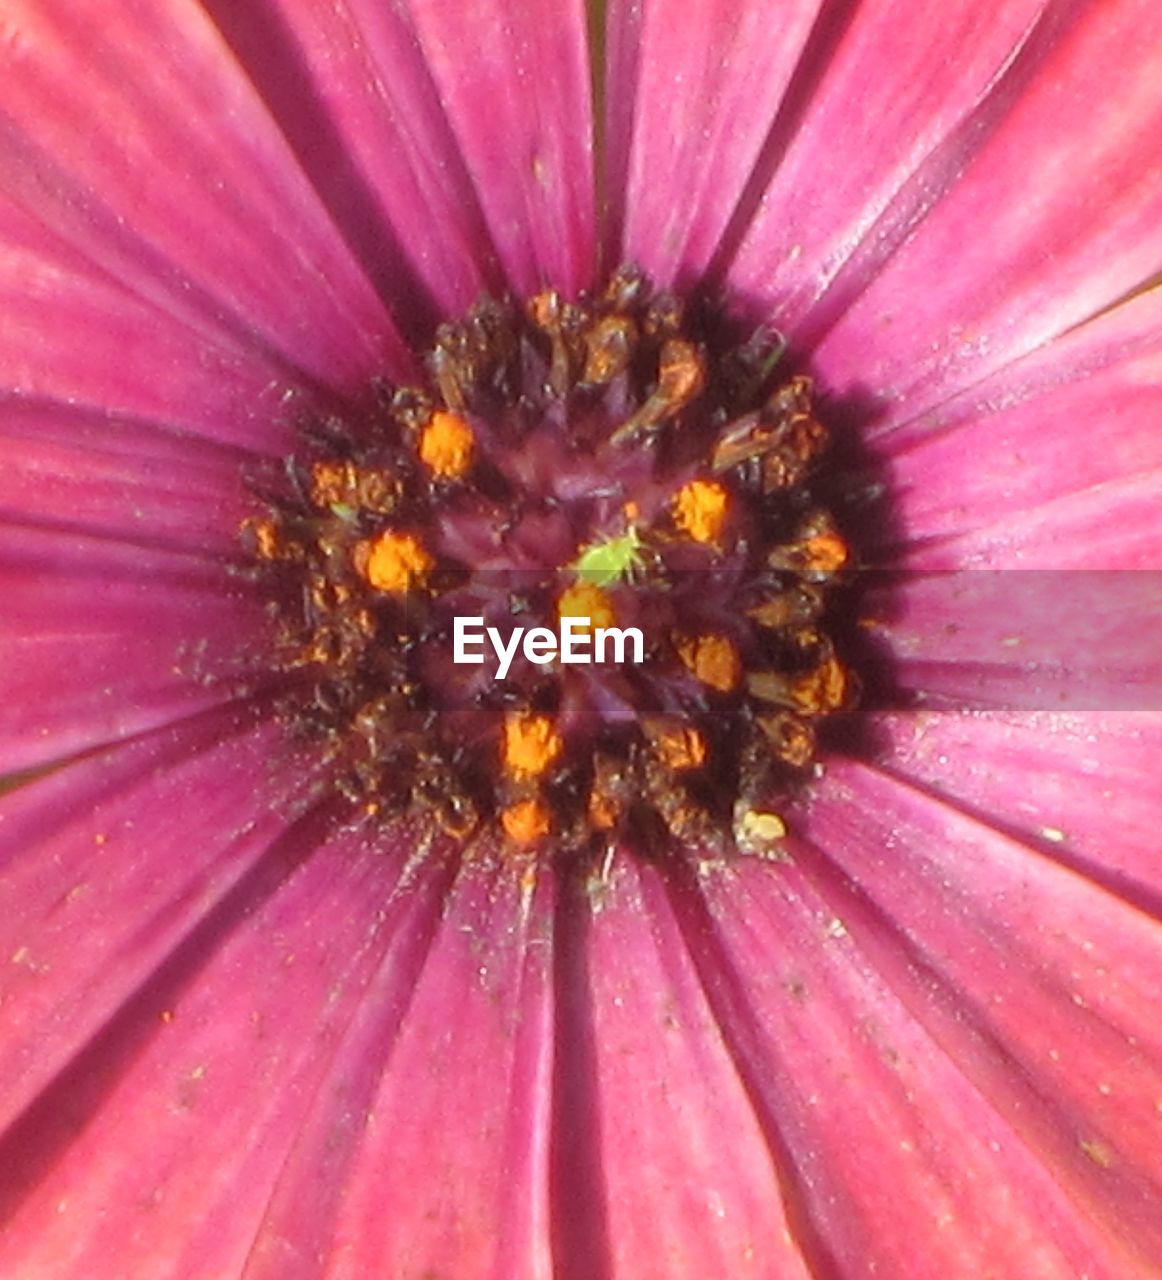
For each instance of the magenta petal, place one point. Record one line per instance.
(690, 104)
(117, 478)
(513, 77)
(137, 140)
(106, 867)
(1088, 790)
(428, 1151)
(1027, 973)
(1055, 217)
(102, 639)
(1041, 639)
(74, 338)
(352, 91)
(691, 1186)
(158, 1153)
(916, 1150)
(901, 81)
(1075, 418)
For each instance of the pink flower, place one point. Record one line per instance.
(240, 1040)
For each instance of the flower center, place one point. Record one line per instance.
(576, 589)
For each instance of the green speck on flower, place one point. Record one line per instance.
(604, 563)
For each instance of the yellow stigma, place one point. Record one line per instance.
(700, 509)
(531, 744)
(711, 659)
(393, 562)
(588, 603)
(447, 445)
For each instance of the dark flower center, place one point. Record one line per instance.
(577, 589)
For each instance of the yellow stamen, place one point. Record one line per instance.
(588, 603)
(700, 509)
(531, 744)
(526, 821)
(447, 445)
(712, 659)
(393, 562)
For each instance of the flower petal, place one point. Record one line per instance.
(106, 866)
(690, 106)
(1046, 640)
(1025, 971)
(513, 77)
(427, 1152)
(905, 83)
(1074, 418)
(114, 477)
(689, 1185)
(1054, 218)
(140, 145)
(915, 1148)
(351, 90)
(1088, 792)
(157, 1152)
(103, 639)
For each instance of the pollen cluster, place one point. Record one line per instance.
(599, 459)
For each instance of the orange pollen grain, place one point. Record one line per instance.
(531, 744)
(711, 659)
(586, 602)
(823, 690)
(267, 543)
(601, 812)
(447, 445)
(700, 509)
(526, 821)
(826, 552)
(332, 482)
(681, 748)
(393, 562)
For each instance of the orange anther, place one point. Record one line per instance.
(447, 445)
(712, 659)
(393, 562)
(679, 747)
(531, 744)
(332, 482)
(586, 601)
(700, 509)
(526, 821)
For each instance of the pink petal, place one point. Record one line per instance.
(1055, 217)
(350, 88)
(690, 107)
(107, 867)
(1072, 422)
(513, 77)
(906, 91)
(118, 478)
(428, 1151)
(1050, 640)
(1088, 791)
(689, 1186)
(73, 337)
(137, 141)
(102, 639)
(915, 1149)
(158, 1152)
(1025, 972)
